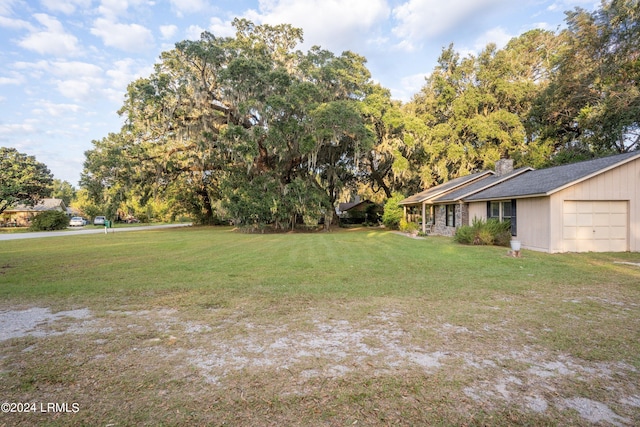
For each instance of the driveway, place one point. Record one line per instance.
(85, 230)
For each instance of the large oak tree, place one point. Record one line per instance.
(272, 132)
(22, 179)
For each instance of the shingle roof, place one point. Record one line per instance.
(442, 188)
(343, 207)
(479, 185)
(43, 205)
(547, 181)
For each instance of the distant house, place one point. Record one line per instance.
(359, 211)
(21, 215)
(72, 211)
(581, 207)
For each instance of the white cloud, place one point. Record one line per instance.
(115, 97)
(127, 37)
(67, 7)
(333, 24)
(76, 89)
(16, 129)
(220, 28)
(217, 27)
(168, 31)
(79, 81)
(112, 9)
(409, 85)
(497, 35)
(563, 5)
(126, 71)
(541, 26)
(33, 69)
(51, 109)
(183, 7)
(406, 46)
(74, 69)
(378, 41)
(6, 6)
(193, 32)
(10, 81)
(15, 24)
(423, 19)
(53, 40)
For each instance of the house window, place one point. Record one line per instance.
(494, 209)
(431, 215)
(503, 210)
(450, 220)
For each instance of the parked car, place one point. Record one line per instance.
(77, 221)
(99, 220)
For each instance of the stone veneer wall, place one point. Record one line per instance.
(461, 213)
(464, 215)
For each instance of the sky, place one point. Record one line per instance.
(65, 64)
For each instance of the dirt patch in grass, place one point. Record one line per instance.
(33, 321)
(228, 366)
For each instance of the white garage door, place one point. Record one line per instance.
(595, 226)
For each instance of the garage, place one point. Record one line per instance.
(589, 206)
(595, 226)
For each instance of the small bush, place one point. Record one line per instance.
(483, 237)
(407, 227)
(464, 235)
(50, 220)
(501, 232)
(480, 232)
(393, 212)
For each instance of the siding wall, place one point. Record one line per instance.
(532, 221)
(622, 183)
(477, 210)
(534, 225)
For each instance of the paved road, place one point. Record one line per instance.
(84, 230)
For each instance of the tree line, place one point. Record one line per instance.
(250, 129)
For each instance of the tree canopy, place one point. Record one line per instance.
(250, 129)
(63, 190)
(274, 134)
(592, 103)
(22, 179)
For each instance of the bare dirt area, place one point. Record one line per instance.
(221, 366)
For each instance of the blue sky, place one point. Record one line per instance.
(66, 63)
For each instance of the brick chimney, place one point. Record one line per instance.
(504, 166)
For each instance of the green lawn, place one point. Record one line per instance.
(210, 326)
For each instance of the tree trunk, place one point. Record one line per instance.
(207, 216)
(328, 219)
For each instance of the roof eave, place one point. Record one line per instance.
(445, 191)
(524, 196)
(493, 184)
(591, 175)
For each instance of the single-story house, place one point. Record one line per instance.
(21, 215)
(587, 206)
(359, 211)
(421, 208)
(440, 209)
